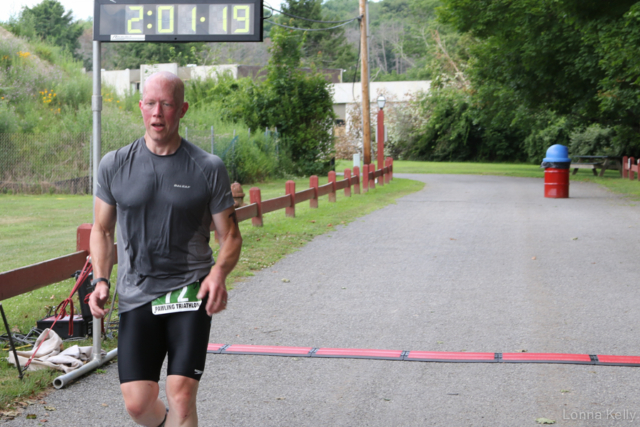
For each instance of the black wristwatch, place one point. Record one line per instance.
(98, 280)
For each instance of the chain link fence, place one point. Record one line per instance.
(50, 163)
(62, 163)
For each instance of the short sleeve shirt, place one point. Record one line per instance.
(164, 206)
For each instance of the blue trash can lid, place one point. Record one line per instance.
(557, 153)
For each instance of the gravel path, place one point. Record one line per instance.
(473, 263)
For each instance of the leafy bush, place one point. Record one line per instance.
(299, 105)
(592, 141)
(250, 158)
(548, 130)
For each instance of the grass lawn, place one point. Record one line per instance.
(37, 228)
(610, 180)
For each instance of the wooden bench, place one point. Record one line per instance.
(596, 162)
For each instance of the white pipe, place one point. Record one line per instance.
(65, 379)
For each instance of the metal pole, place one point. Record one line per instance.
(212, 139)
(13, 347)
(63, 380)
(91, 164)
(96, 106)
(364, 78)
(186, 133)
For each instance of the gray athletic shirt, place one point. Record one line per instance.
(164, 206)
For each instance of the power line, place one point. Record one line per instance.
(312, 29)
(307, 19)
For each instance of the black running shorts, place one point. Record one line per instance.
(145, 338)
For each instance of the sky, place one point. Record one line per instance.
(82, 9)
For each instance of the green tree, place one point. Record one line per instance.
(48, 21)
(297, 103)
(132, 55)
(322, 48)
(570, 64)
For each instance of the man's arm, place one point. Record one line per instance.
(226, 223)
(102, 254)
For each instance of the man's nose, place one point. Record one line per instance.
(157, 110)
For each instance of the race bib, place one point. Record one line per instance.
(177, 301)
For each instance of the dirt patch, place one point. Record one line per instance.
(14, 220)
(6, 35)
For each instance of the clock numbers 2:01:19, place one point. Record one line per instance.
(192, 19)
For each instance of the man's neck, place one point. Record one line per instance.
(161, 148)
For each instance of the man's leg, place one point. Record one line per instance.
(141, 351)
(187, 344)
(181, 394)
(143, 405)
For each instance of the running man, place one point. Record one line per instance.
(164, 193)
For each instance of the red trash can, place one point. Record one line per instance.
(556, 172)
(556, 183)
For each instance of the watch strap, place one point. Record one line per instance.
(94, 282)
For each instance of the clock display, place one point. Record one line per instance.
(194, 20)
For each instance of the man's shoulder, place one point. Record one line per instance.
(123, 154)
(207, 161)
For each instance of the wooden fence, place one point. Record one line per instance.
(32, 277)
(629, 167)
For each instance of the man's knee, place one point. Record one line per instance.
(139, 397)
(181, 393)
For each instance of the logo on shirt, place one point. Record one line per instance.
(181, 186)
(197, 371)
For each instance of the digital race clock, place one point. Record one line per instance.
(177, 21)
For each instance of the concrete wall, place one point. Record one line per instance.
(346, 95)
(211, 71)
(119, 80)
(124, 81)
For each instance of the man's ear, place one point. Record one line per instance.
(185, 107)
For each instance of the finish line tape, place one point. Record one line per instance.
(425, 356)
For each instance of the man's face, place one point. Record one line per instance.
(161, 112)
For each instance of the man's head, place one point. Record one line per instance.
(162, 107)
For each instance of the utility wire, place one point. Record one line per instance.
(307, 19)
(312, 29)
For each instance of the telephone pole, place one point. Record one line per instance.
(364, 79)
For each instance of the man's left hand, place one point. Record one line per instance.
(214, 286)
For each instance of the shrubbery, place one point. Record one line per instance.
(299, 105)
(54, 96)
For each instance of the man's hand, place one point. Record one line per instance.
(214, 286)
(226, 222)
(98, 299)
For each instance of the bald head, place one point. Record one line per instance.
(170, 79)
(162, 106)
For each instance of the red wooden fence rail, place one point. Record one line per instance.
(629, 167)
(32, 277)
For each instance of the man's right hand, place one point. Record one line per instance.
(98, 299)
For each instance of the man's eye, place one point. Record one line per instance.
(166, 104)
